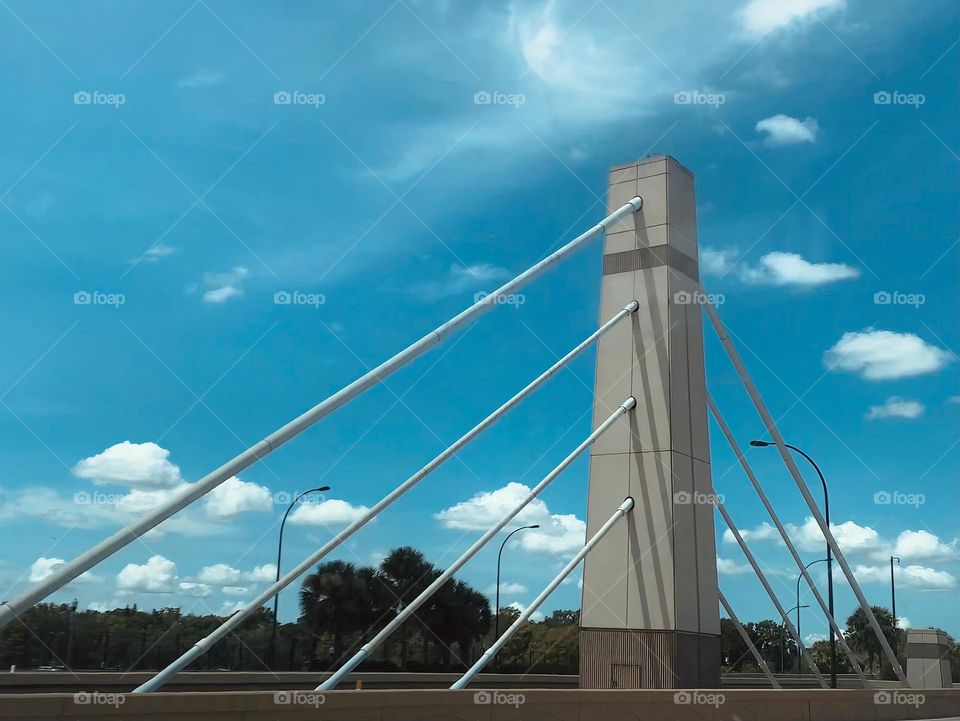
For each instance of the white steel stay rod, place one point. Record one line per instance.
(87, 560)
(786, 538)
(411, 608)
(746, 638)
(805, 492)
(773, 597)
(622, 511)
(206, 643)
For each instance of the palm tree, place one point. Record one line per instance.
(406, 573)
(861, 637)
(336, 600)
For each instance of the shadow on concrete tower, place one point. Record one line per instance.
(650, 616)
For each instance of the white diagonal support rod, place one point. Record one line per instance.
(411, 608)
(746, 639)
(786, 538)
(205, 644)
(621, 511)
(774, 432)
(87, 560)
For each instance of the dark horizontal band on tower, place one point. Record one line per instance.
(652, 257)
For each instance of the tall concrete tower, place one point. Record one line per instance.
(650, 616)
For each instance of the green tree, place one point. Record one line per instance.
(864, 641)
(336, 599)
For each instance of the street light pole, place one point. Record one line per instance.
(496, 610)
(829, 559)
(893, 590)
(782, 624)
(276, 598)
(819, 560)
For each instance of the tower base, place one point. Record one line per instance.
(632, 659)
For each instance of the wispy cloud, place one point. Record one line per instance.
(460, 279)
(896, 407)
(782, 129)
(202, 79)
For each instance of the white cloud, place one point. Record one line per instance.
(763, 532)
(233, 497)
(536, 616)
(904, 622)
(916, 577)
(852, 537)
(506, 587)
(157, 575)
(728, 567)
(155, 253)
(558, 533)
(44, 567)
(760, 17)
(236, 590)
(220, 574)
(885, 355)
(221, 287)
(331, 512)
(138, 465)
(228, 608)
(461, 279)
(782, 129)
(260, 574)
(717, 261)
(925, 546)
(197, 590)
(780, 268)
(896, 407)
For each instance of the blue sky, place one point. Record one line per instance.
(150, 166)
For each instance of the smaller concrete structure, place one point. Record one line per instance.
(928, 658)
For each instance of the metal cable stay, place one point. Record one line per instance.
(774, 432)
(9, 610)
(411, 608)
(746, 638)
(206, 643)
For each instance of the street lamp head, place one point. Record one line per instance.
(760, 444)
(323, 489)
(535, 525)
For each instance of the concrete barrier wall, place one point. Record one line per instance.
(480, 705)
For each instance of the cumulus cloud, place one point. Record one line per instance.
(913, 576)
(266, 572)
(878, 355)
(793, 269)
(728, 567)
(896, 407)
(925, 546)
(506, 587)
(197, 590)
(558, 533)
(777, 268)
(233, 497)
(44, 567)
(760, 17)
(138, 465)
(221, 574)
(764, 532)
(782, 130)
(236, 590)
(157, 575)
(536, 616)
(330, 512)
(229, 608)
